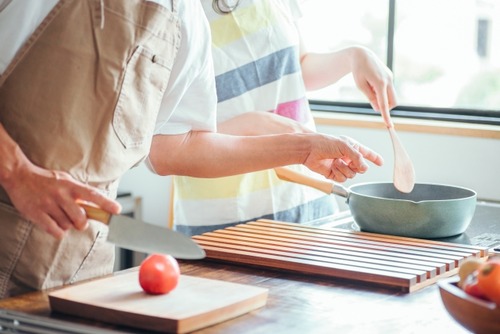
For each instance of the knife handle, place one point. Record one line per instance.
(96, 213)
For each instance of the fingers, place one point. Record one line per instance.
(365, 87)
(63, 209)
(90, 195)
(63, 221)
(68, 214)
(357, 161)
(381, 95)
(341, 171)
(371, 155)
(77, 216)
(56, 209)
(105, 203)
(375, 80)
(383, 104)
(50, 226)
(351, 161)
(354, 154)
(391, 96)
(365, 152)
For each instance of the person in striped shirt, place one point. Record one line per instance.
(262, 75)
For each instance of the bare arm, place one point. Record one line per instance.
(207, 154)
(372, 77)
(45, 197)
(260, 123)
(320, 70)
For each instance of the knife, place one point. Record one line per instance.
(140, 236)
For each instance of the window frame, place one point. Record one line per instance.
(472, 116)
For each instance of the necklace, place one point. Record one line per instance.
(224, 6)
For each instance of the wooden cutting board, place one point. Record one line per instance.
(403, 263)
(195, 303)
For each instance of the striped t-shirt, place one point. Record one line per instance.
(257, 67)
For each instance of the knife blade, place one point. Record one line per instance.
(137, 235)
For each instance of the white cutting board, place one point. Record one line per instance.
(195, 302)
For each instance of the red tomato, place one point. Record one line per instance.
(488, 280)
(159, 274)
(470, 286)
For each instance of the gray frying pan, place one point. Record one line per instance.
(429, 211)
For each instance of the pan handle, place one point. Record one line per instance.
(326, 186)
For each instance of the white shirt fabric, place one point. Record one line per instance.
(189, 102)
(257, 67)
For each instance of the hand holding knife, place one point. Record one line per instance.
(134, 234)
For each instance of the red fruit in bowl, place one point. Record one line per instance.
(488, 280)
(471, 287)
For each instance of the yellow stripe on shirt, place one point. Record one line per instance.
(231, 27)
(189, 188)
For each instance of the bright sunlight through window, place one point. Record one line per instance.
(445, 53)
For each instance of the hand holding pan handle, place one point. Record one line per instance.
(326, 186)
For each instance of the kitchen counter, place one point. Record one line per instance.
(297, 304)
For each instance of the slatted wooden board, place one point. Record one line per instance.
(404, 263)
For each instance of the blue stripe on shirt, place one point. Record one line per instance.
(258, 73)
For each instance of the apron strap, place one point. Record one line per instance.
(99, 14)
(4, 4)
(29, 43)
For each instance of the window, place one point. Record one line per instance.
(444, 54)
(483, 28)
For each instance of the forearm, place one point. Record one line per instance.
(372, 77)
(323, 69)
(206, 154)
(12, 158)
(260, 123)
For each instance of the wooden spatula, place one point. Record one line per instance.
(404, 173)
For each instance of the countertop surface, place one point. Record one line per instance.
(300, 303)
(297, 303)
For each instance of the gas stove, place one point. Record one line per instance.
(484, 229)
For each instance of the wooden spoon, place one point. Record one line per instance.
(404, 173)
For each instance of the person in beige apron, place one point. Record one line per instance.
(73, 117)
(78, 106)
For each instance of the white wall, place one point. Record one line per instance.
(154, 190)
(460, 161)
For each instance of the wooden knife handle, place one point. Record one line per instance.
(96, 213)
(296, 177)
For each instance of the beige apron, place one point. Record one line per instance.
(82, 96)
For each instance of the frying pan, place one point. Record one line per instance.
(430, 211)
